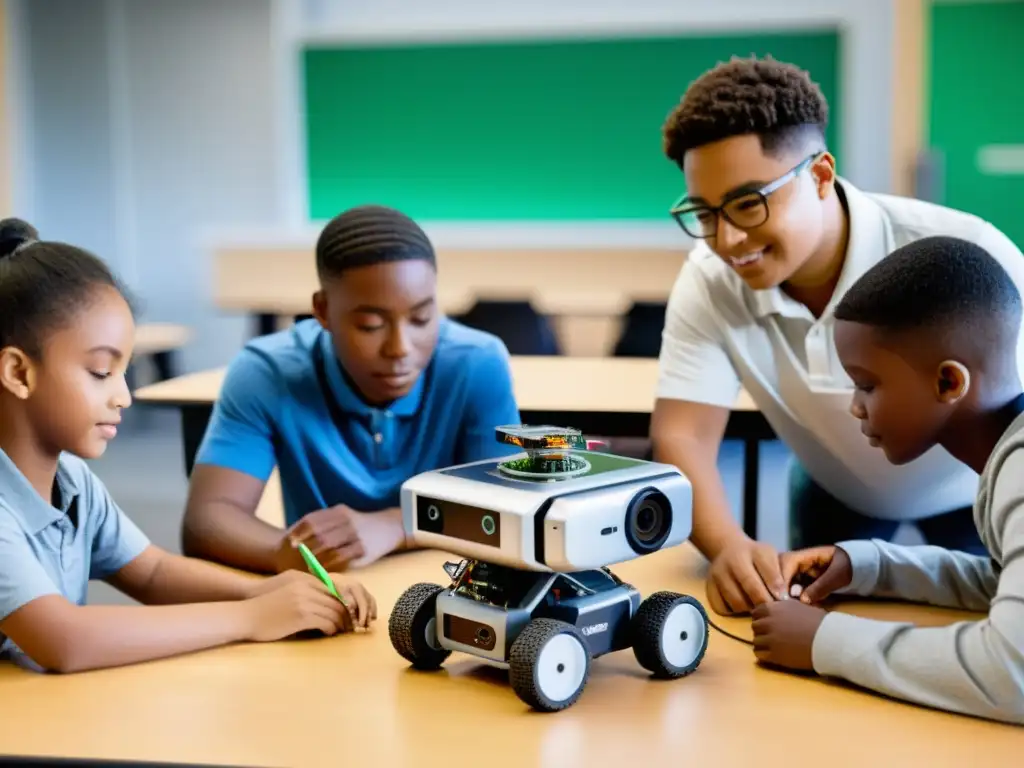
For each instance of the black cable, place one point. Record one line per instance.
(737, 638)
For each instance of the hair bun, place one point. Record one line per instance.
(15, 233)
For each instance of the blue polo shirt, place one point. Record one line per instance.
(55, 546)
(274, 411)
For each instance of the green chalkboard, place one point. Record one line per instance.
(977, 101)
(527, 130)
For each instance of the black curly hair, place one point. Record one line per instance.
(774, 100)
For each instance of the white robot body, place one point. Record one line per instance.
(620, 509)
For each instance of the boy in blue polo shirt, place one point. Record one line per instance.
(376, 388)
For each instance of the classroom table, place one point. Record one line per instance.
(270, 277)
(605, 396)
(351, 700)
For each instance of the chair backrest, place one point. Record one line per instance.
(641, 331)
(517, 323)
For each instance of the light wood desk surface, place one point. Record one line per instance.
(281, 278)
(563, 384)
(351, 700)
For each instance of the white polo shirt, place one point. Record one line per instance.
(720, 335)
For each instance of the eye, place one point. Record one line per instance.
(100, 375)
(421, 321)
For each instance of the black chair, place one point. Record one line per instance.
(641, 332)
(517, 323)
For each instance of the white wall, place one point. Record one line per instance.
(142, 123)
(70, 154)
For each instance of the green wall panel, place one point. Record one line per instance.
(539, 130)
(977, 100)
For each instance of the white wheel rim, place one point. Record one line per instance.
(561, 665)
(431, 634)
(682, 635)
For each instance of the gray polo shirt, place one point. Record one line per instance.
(56, 546)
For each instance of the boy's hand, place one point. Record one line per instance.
(743, 575)
(818, 571)
(298, 604)
(784, 633)
(362, 606)
(341, 538)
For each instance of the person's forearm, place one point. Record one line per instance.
(115, 635)
(189, 580)
(397, 524)
(923, 574)
(229, 535)
(713, 524)
(971, 668)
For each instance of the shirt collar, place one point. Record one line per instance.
(868, 243)
(347, 398)
(32, 511)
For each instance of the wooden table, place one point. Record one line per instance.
(351, 700)
(610, 397)
(271, 277)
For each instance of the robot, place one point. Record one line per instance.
(533, 593)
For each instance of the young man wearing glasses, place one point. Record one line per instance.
(779, 238)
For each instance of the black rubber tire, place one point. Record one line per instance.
(646, 631)
(523, 657)
(407, 627)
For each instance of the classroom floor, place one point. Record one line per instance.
(144, 471)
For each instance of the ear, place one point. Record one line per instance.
(320, 308)
(953, 381)
(823, 169)
(17, 372)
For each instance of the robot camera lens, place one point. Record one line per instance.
(487, 523)
(433, 513)
(648, 521)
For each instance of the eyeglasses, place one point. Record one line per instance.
(746, 210)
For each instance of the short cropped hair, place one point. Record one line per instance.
(774, 100)
(367, 235)
(935, 282)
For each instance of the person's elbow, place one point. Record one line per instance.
(219, 499)
(193, 528)
(1005, 649)
(44, 631)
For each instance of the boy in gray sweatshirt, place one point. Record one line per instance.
(927, 338)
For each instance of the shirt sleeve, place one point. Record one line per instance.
(920, 574)
(490, 403)
(240, 433)
(116, 539)
(693, 364)
(22, 577)
(971, 667)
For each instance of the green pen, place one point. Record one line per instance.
(318, 571)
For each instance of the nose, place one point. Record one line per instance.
(857, 408)
(397, 344)
(122, 394)
(728, 236)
